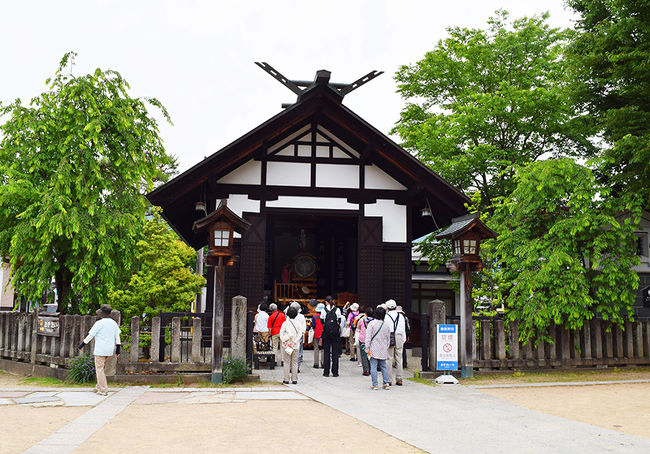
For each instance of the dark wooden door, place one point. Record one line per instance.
(370, 261)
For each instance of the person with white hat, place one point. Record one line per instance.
(352, 314)
(397, 325)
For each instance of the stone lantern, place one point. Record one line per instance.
(220, 226)
(466, 233)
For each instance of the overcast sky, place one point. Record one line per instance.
(197, 56)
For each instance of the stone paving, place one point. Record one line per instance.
(432, 418)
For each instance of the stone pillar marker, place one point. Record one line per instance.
(437, 316)
(500, 339)
(176, 340)
(135, 339)
(154, 350)
(238, 328)
(21, 333)
(196, 340)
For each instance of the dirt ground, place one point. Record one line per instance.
(24, 426)
(252, 426)
(621, 407)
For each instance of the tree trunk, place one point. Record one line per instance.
(63, 281)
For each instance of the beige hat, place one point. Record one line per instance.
(354, 307)
(391, 304)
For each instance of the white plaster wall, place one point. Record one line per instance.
(288, 139)
(324, 203)
(393, 219)
(288, 174)
(248, 173)
(375, 178)
(240, 203)
(337, 176)
(343, 144)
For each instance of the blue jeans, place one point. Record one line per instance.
(373, 370)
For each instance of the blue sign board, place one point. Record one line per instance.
(447, 347)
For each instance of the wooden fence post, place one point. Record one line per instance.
(586, 339)
(646, 338)
(486, 342)
(628, 345)
(638, 339)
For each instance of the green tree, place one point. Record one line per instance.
(74, 164)
(485, 101)
(565, 249)
(610, 58)
(163, 279)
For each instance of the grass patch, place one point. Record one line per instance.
(424, 381)
(43, 381)
(568, 376)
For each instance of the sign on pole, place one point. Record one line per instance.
(447, 347)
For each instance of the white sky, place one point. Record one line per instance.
(197, 57)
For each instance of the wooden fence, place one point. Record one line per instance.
(598, 343)
(20, 339)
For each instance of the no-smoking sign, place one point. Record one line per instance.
(447, 347)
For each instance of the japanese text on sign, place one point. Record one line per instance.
(447, 347)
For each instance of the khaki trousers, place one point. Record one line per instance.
(100, 364)
(276, 346)
(395, 354)
(290, 364)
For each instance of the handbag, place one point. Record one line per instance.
(310, 336)
(345, 332)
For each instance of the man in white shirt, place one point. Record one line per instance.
(261, 322)
(397, 324)
(107, 342)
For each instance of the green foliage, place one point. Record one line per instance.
(565, 250)
(234, 370)
(163, 279)
(485, 101)
(610, 62)
(82, 369)
(74, 164)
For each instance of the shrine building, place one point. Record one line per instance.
(333, 203)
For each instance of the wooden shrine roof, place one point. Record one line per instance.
(320, 105)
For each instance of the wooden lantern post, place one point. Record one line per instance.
(220, 225)
(466, 233)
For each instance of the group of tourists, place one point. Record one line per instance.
(374, 337)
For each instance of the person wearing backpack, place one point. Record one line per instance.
(397, 325)
(317, 326)
(333, 321)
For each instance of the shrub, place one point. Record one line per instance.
(234, 369)
(82, 369)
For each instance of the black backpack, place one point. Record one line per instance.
(331, 327)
